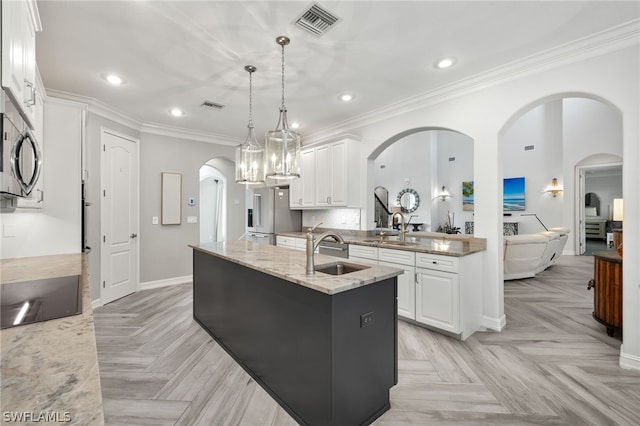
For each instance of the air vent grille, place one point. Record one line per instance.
(212, 105)
(529, 147)
(316, 20)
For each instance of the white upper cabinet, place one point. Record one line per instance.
(330, 175)
(20, 21)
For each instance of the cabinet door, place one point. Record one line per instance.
(437, 299)
(14, 16)
(406, 290)
(308, 178)
(339, 189)
(29, 64)
(323, 175)
(295, 192)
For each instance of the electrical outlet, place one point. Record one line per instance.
(154, 220)
(366, 319)
(344, 220)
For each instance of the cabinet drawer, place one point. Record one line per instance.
(286, 241)
(437, 262)
(364, 252)
(397, 256)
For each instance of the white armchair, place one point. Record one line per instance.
(522, 254)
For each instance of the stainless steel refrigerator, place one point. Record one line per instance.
(268, 213)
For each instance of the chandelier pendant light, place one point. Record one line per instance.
(282, 145)
(250, 154)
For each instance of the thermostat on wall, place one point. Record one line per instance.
(192, 201)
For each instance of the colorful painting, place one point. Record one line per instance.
(467, 196)
(513, 194)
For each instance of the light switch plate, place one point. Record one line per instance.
(154, 220)
(192, 219)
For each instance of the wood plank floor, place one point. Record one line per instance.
(552, 365)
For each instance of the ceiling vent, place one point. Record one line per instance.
(211, 105)
(316, 20)
(529, 147)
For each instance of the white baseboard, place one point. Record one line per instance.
(496, 324)
(166, 282)
(96, 303)
(628, 361)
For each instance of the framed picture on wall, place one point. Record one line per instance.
(467, 196)
(513, 194)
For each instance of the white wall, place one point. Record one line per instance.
(213, 204)
(55, 229)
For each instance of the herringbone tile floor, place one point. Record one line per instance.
(552, 365)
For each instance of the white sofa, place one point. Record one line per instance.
(528, 254)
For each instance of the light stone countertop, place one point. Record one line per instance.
(290, 265)
(51, 368)
(425, 242)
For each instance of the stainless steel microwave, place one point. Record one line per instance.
(20, 156)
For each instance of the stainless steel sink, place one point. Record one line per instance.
(340, 268)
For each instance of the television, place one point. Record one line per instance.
(513, 194)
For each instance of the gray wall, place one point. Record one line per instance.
(164, 251)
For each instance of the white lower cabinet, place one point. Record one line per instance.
(406, 282)
(292, 243)
(437, 297)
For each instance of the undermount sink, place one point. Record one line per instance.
(340, 268)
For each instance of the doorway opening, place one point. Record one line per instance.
(213, 195)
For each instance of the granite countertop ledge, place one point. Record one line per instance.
(50, 368)
(426, 242)
(290, 264)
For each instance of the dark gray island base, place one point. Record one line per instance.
(313, 352)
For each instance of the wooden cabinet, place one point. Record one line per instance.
(607, 290)
(19, 24)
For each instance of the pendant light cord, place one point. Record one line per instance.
(283, 76)
(250, 97)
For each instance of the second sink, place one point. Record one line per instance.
(340, 268)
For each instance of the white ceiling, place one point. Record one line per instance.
(180, 53)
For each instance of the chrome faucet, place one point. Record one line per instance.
(403, 226)
(312, 245)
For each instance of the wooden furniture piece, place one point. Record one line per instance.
(607, 285)
(617, 238)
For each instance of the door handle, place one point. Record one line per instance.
(134, 235)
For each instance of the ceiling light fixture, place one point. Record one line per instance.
(295, 125)
(282, 146)
(250, 154)
(114, 79)
(176, 112)
(346, 97)
(445, 63)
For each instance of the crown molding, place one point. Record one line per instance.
(194, 135)
(604, 42)
(99, 108)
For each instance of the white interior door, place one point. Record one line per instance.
(119, 223)
(582, 233)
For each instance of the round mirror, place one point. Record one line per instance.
(409, 200)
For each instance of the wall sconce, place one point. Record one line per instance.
(443, 194)
(618, 209)
(554, 189)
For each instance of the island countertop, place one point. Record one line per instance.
(290, 265)
(50, 368)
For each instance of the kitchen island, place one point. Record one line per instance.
(323, 346)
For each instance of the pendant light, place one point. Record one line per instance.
(282, 147)
(250, 154)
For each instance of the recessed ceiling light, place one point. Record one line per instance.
(445, 63)
(176, 112)
(346, 97)
(295, 125)
(114, 79)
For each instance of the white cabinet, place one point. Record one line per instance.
(406, 282)
(437, 299)
(329, 176)
(19, 24)
(449, 292)
(292, 243)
